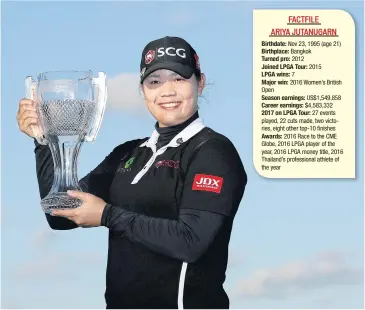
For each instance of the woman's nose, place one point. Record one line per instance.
(168, 89)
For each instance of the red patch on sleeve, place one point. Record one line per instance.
(209, 183)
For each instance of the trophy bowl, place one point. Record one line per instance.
(70, 107)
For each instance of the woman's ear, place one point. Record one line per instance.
(201, 84)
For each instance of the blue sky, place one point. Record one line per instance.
(295, 243)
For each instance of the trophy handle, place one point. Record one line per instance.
(101, 83)
(30, 93)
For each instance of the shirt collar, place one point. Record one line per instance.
(183, 136)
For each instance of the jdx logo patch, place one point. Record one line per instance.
(209, 183)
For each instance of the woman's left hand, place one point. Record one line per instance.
(88, 214)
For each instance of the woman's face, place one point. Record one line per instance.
(170, 98)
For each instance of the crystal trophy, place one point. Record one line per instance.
(70, 107)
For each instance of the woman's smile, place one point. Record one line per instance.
(170, 105)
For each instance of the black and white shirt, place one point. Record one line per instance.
(171, 201)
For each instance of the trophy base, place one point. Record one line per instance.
(59, 201)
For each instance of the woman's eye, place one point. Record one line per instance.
(154, 82)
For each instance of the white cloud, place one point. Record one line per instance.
(327, 269)
(49, 267)
(124, 93)
(9, 303)
(44, 238)
(57, 265)
(323, 303)
(235, 259)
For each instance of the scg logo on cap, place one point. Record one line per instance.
(171, 51)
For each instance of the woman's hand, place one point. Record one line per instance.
(88, 214)
(27, 118)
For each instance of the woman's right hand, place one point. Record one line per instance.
(27, 118)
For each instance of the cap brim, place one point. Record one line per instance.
(185, 71)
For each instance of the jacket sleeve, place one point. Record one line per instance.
(97, 182)
(213, 188)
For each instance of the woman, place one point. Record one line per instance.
(168, 200)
